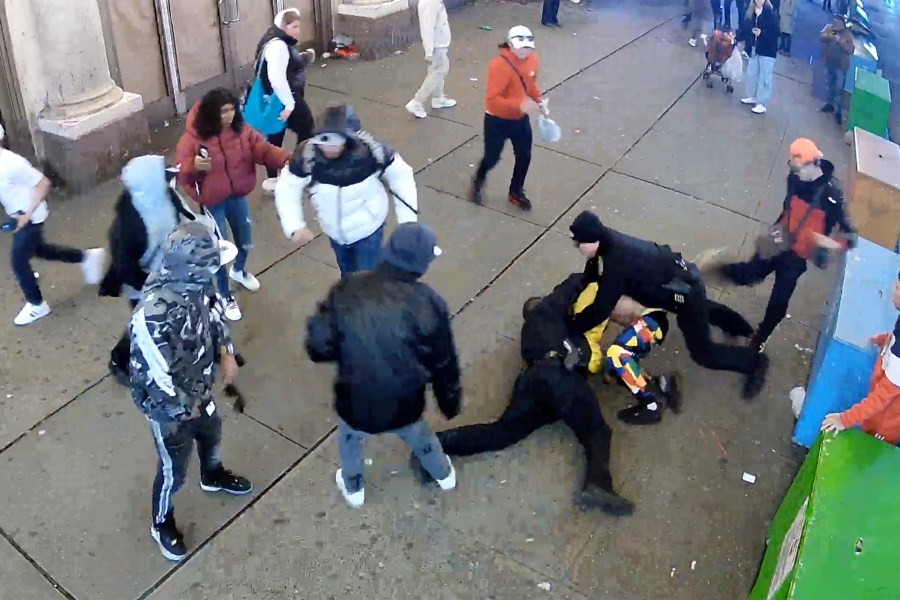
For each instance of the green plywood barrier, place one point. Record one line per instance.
(870, 103)
(836, 535)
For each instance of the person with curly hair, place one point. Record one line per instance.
(218, 155)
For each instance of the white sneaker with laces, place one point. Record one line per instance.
(269, 184)
(356, 499)
(443, 102)
(748, 100)
(416, 109)
(693, 42)
(232, 310)
(92, 265)
(759, 109)
(245, 279)
(448, 482)
(31, 313)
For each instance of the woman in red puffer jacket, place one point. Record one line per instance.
(218, 155)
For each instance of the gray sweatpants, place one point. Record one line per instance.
(418, 436)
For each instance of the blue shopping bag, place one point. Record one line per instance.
(261, 110)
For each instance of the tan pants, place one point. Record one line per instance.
(433, 86)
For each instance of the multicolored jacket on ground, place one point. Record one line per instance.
(177, 329)
(879, 412)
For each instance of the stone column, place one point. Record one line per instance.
(91, 127)
(378, 27)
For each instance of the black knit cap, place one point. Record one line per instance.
(587, 228)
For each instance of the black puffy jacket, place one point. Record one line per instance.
(631, 267)
(390, 336)
(770, 30)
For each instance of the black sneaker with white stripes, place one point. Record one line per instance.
(224, 480)
(169, 539)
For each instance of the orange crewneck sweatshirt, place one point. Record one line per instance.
(505, 93)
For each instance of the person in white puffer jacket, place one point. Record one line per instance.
(345, 170)
(435, 29)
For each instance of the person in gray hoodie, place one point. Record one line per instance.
(435, 30)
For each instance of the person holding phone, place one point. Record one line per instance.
(760, 33)
(218, 155)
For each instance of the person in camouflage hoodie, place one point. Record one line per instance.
(177, 337)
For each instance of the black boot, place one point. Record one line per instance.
(646, 412)
(118, 361)
(756, 378)
(598, 489)
(476, 192)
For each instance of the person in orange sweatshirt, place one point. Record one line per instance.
(878, 414)
(512, 95)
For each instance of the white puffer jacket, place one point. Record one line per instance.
(347, 192)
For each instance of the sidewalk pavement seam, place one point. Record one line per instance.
(56, 585)
(683, 193)
(194, 551)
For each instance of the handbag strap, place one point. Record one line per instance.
(516, 71)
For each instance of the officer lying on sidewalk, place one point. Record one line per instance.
(176, 338)
(550, 389)
(656, 276)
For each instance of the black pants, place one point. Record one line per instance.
(301, 122)
(550, 12)
(784, 42)
(544, 393)
(28, 243)
(121, 352)
(174, 444)
(788, 267)
(694, 318)
(496, 132)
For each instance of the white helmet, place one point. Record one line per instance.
(520, 37)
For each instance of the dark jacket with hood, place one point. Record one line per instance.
(390, 336)
(826, 196)
(146, 212)
(766, 44)
(631, 267)
(297, 61)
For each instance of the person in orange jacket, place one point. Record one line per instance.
(878, 414)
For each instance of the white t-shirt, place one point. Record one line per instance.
(17, 182)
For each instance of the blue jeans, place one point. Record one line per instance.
(236, 212)
(835, 79)
(28, 243)
(550, 12)
(759, 78)
(359, 256)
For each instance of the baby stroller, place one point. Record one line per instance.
(718, 50)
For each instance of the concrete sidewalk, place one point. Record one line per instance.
(649, 148)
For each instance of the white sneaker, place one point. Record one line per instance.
(448, 482)
(92, 265)
(416, 109)
(356, 499)
(443, 102)
(31, 313)
(693, 42)
(759, 109)
(748, 100)
(232, 310)
(245, 279)
(269, 184)
(704, 38)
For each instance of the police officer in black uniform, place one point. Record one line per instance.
(656, 276)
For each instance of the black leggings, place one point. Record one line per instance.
(544, 393)
(496, 132)
(301, 122)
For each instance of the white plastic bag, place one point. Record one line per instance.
(733, 69)
(548, 130)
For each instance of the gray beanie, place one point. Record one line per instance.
(411, 248)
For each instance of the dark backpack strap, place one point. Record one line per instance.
(516, 71)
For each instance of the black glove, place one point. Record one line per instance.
(852, 240)
(820, 258)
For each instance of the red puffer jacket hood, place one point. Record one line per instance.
(234, 158)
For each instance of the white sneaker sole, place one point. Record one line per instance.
(165, 552)
(448, 482)
(29, 320)
(209, 488)
(243, 283)
(359, 499)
